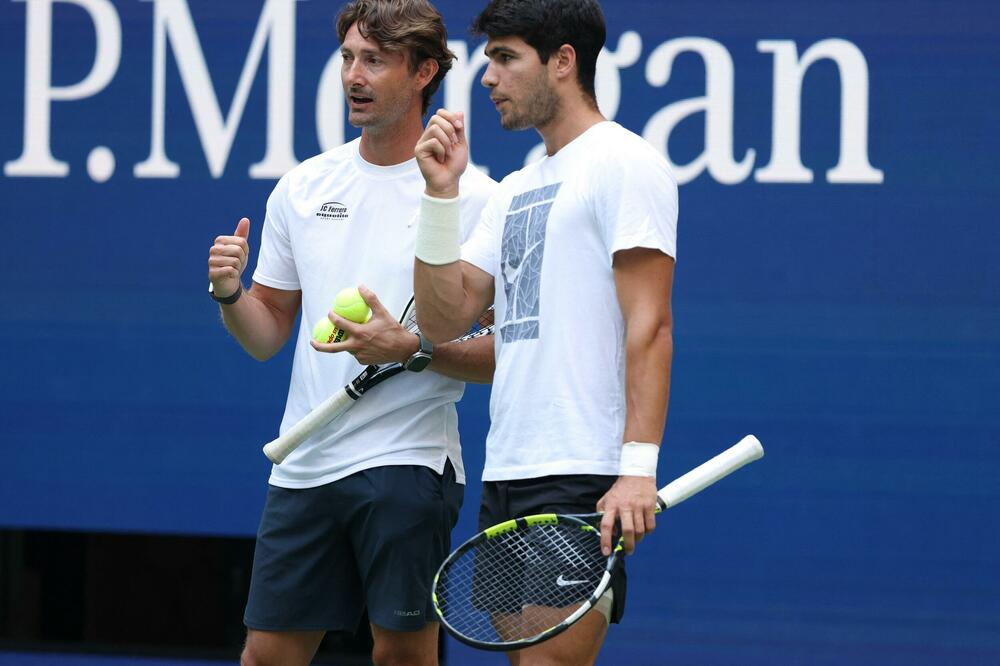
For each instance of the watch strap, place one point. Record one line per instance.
(422, 357)
(425, 345)
(227, 300)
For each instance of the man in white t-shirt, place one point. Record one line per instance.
(359, 516)
(577, 253)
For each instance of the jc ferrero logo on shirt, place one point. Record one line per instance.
(332, 210)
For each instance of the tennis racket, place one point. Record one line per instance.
(341, 401)
(529, 579)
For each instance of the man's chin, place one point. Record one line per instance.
(360, 119)
(514, 124)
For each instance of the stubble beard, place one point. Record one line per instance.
(541, 108)
(390, 113)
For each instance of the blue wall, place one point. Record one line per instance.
(853, 326)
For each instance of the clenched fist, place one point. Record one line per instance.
(443, 153)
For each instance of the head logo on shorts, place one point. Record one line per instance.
(521, 254)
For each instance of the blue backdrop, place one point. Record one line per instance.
(837, 294)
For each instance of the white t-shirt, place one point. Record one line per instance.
(548, 236)
(336, 221)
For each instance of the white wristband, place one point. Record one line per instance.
(638, 459)
(437, 233)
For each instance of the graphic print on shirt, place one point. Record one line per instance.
(521, 253)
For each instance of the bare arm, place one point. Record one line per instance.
(643, 280)
(450, 294)
(469, 361)
(261, 319)
(450, 298)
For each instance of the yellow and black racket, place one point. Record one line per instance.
(526, 580)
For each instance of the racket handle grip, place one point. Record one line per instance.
(278, 449)
(745, 451)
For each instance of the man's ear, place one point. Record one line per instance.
(564, 62)
(426, 71)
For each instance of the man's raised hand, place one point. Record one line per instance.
(443, 153)
(227, 258)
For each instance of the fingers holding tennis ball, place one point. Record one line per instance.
(349, 305)
(361, 325)
(325, 332)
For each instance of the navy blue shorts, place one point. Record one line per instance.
(566, 494)
(373, 539)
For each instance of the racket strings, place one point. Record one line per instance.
(486, 319)
(409, 320)
(516, 585)
(483, 326)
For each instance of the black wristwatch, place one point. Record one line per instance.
(228, 300)
(422, 357)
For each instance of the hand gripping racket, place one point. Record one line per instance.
(526, 580)
(341, 401)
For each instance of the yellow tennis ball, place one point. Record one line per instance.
(350, 305)
(324, 332)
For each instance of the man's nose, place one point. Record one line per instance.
(489, 78)
(354, 74)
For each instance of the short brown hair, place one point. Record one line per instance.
(412, 27)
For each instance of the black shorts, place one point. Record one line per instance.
(565, 494)
(373, 539)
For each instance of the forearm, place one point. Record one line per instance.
(632, 500)
(649, 353)
(438, 277)
(444, 309)
(261, 328)
(469, 361)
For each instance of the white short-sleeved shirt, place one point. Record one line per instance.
(548, 236)
(337, 221)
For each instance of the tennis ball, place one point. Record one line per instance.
(350, 305)
(324, 331)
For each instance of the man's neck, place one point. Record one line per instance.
(576, 116)
(394, 144)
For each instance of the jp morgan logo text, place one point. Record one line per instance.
(172, 31)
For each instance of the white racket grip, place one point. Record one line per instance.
(338, 403)
(745, 451)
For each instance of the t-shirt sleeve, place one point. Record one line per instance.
(481, 248)
(275, 261)
(635, 202)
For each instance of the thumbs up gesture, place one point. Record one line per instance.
(227, 259)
